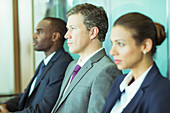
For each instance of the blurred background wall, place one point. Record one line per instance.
(19, 60)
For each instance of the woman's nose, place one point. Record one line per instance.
(113, 51)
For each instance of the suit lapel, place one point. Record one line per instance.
(58, 53)
(67, 78)
(112, 100)
(114, 95)
(131, 106)
(77, 79)
(86, 67)
(138, 96)
(46, 68)
(64, 85)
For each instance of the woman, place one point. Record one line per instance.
(144, 90)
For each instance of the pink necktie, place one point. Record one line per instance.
(76, 69)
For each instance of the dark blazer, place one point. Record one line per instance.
(90, 87)
(47, 88)
(152, 97)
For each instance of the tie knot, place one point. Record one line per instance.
(77, 68)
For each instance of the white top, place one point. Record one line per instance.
(128, 92)
(81, 63)
(46, 60)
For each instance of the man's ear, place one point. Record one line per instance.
(55, 36)
(94, 32)
(147, 45)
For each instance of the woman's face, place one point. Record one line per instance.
(126, 53)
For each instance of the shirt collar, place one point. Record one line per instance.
(82, 62)
(47, 59)
(137, 83)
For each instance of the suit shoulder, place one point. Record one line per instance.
(107, 64)
(105, 61)
(160, 84)
(66, 56)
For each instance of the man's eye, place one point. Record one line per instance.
(120, 44)
(40, 32)
(72, 28)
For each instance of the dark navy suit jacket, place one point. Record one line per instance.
(152, 97)
(47, 88)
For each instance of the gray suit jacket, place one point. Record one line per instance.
(90, 87)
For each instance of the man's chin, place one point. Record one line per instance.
(36, 49)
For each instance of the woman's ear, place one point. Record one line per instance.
(147, 45)
(94, 32)
(55, 36)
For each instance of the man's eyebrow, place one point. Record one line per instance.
(39, 29)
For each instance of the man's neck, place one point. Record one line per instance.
(90, 50)
(82, 61)
(47, 53)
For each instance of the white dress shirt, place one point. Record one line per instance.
(128, 92)
(46, 60)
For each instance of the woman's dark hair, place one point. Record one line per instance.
(143, 27)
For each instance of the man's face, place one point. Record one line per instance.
(42, 38)
(77, 36)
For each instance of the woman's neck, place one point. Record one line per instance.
(140, 68)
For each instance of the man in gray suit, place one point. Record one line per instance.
(86, 91)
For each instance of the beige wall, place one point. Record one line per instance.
(6, 48)
(8, 57)
(26, 48)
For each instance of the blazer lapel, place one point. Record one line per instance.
(111, 100)
(114, 95)
(63, 86)
(86, 67)
(73, 84)
(77, 79)
(67, 79)
(147, 81)
(131, 106)
(47, 67)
